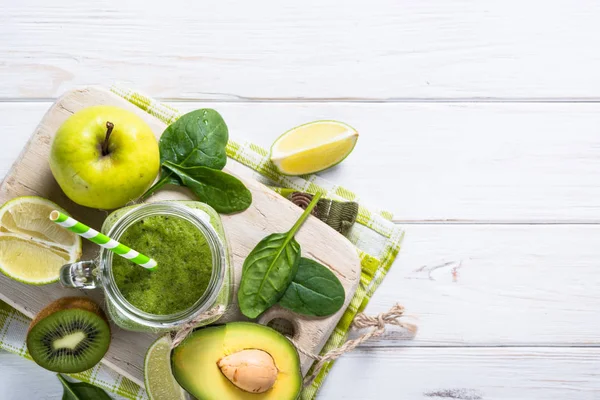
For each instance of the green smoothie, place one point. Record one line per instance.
(184, 265)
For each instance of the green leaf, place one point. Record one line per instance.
(81, 391)
(314, 291)
(223, 192)
(267, 272)
(196, 139)
(269, 268)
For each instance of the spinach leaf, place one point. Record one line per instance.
(269, 268)
(81, 391)
(197, 138)
(223, 192)
(314, 291)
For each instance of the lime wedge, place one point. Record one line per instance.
(313, 147)
(158, 378)
(33, 248)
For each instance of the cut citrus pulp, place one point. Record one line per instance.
(313, 147)
(158, 378)
(33, 248)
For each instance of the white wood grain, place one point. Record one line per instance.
(466, 374)
(21, 379)
(15, 120)
(472, 285)
(507, 285)
(429, 162)
(381, 49)
(518, 284)
(409, 373)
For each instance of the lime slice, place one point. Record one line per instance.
(313, 147)
(33, 248)
(158, 378)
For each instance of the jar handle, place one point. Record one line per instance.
(82, 274)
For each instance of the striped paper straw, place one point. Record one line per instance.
(102, 240)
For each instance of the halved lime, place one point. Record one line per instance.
(158, 378)
(33, 248)
(313, 147)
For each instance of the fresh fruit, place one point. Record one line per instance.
(69, 335)
(104, 157)
(313, 147)
(33, 248)
(160, 384)
(239, 360)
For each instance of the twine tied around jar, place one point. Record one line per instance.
(187, 328)
(361, 321)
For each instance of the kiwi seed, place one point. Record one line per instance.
(70, 335)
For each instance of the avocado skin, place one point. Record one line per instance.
(194, 362)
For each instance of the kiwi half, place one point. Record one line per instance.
(69, 335)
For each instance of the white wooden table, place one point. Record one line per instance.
(480, 129)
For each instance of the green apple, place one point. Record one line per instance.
(104, 157)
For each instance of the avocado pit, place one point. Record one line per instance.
(250, 370)
(238, 360)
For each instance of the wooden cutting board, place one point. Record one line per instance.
(30, 175)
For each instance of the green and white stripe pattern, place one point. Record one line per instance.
(102, 240)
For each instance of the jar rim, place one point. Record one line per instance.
(200, 220)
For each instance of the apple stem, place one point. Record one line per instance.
(109, 129)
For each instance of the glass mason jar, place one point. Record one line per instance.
(98, 273)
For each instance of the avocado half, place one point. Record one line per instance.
(195, 362)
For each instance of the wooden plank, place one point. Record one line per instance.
(415, 373)
(16, 119)
(269, 212)
(481, 285)
(383, 49)
(466, 374)
(460, 162)
(21, 378)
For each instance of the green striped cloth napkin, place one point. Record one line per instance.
(376, 238)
